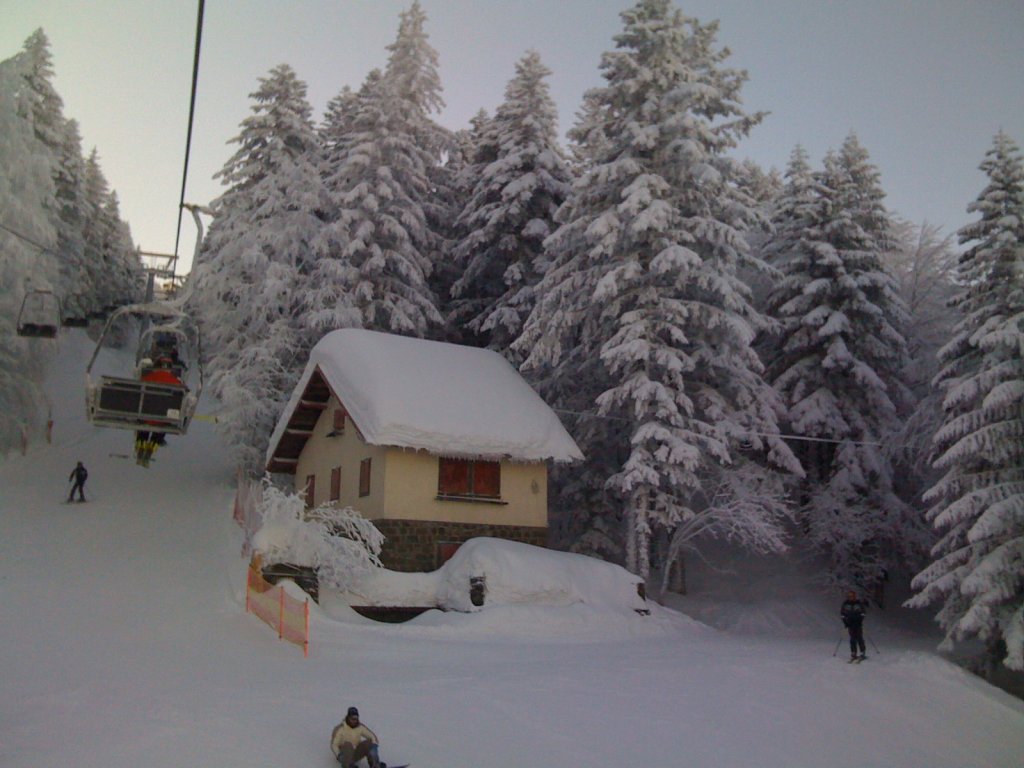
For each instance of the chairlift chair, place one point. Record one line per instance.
(39, 317)
(123, 402)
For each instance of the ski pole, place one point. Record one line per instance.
(838, 643)
(872, 643)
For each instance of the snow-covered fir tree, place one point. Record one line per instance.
(924, 262)
(381, 187)
(41, 107)
(510, 211)
(126, 277)
(43, 199)
(977, 576)
(473, 150)
(413, 76)
(253, 269)
(70, 191)
(838, 362)
(111, 264)
(642, 327)
(26, 200)
(82, 206)
(95, 234)
(327, 302)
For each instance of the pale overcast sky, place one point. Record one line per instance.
(925, 84)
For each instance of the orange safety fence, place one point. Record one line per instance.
(288, 615)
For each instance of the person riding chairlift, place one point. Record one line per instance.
(162, 373)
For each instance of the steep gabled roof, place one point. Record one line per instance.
(446, 399)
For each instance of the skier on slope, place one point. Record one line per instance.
(79, 474)
(351, 741)
(852, 613)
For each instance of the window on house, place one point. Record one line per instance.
(335, 483)
(310, 491)
(338, 426)
(364, 477)
(459, 477)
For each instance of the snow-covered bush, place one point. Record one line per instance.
(339, 543)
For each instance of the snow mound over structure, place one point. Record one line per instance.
(446, 398)
(515, 573)
(529, 593)
(512, 573)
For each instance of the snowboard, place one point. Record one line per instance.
(382, 764)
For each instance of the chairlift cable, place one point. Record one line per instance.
(191, 118)
(28, 240)
(783, 435)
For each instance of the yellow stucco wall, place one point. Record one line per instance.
(322, 453)
(411, 493)
(403, 483)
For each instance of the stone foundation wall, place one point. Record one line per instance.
(416, 546)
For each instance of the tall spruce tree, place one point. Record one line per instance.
(924, 263)
(254, 266)
(510, 211)
(977, 576)
(383, 186)
(838, 363)
(327, 303)
(27, 198)
(474, 149)
(70, 191)
(42, 108)
(111, 265)
(80, 196)
(414, 80)
(642, 326)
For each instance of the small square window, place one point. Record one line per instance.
(338, 425)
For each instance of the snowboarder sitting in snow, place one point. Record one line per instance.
(79, 474)
(853, 612)
(351, 741)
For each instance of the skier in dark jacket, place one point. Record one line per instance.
(79, 474)
(852, 613)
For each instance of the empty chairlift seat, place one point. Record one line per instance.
(40, 315)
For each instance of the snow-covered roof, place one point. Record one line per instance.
(446, 399)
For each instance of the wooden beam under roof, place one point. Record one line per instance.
(301, 423)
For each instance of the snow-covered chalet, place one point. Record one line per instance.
(435, 443)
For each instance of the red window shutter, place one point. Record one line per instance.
(335, 483)
(364, 477)
(486, 478)
(453, 477)
(310, 490)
